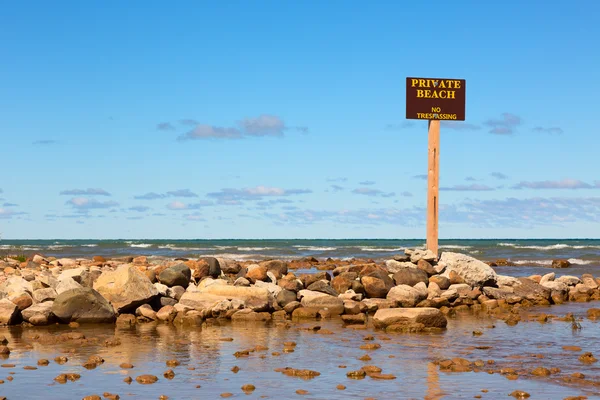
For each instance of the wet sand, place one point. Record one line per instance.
(206, 359)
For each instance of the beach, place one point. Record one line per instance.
(447, 327)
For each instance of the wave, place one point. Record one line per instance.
(576, 261)
(89, 245)
(558, 246)
(141, 245)
(254, 248)
(315, 248)
(455, 247)
(371, 248)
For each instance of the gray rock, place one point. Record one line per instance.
(175, 292)
(177, 275)
(167, 301)
(569, 280)
(323, 287)
(291, 306)
(241, 281)
(228, 266)
(471, 270)
(406, 296)
(547, 278)
(126, 288)
(161, 289)
(285, 297)
(394, 266)
(42, 295)
(214, 267)
(82, 305)
(67, 284)
(15, 285)
(419, 254)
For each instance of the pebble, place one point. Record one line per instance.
(226, 394)
(111, 396)
(61, 360)
(235, 369)
(301, 391)
(519, 394)
(29, 367)
(169, 374)
(4, 350)
(126, 366)
(340, 387)
(92, 397)
(146, 379)
(172, 363)
(248, 388)
(43, 362)
(128, 380)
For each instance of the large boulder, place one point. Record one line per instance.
(407, 296)
(82, 305)
(42, 295)
(255, 298)
(15, 286)
(376, 287)
(394, 266)
(9, 312)
(177, 275)
(126, 288)
(277, 267)
(67, 284)
(410, 277)
(214, 266)
(322, 301)
(199, 300)
(38, 314)
(428, 317)
(532, 291)
(474, 272)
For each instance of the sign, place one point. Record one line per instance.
(435, 99)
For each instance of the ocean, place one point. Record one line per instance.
(540, 253)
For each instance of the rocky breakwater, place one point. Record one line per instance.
(409, 293)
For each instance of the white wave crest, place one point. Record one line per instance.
(89, 245)
(254, 248)
(141, 245)
(455, 247)
(576, 261)
(579, 261)
(315, 248)
(558, 246)
(371, 248)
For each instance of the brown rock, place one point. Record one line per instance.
(340, 387)
(340, 284)
(541, 371)
(172, 363)
(301, 392)
(23, 301)
(226, 394)
(519, 394)
(146, 379)
(258, 273)
(571, 348)
(561, 263)
(301, 373)
(441, 281)
(593, 313)
(248, 388)
(169, 374)
(376, 287)
(359, 374)
(140, 260)
(43, 362)
(111, 396)
(99, 259)
(427, 267)
(92, 397)
(587, 358)
(126, 366)
(128, 380)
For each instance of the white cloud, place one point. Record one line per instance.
(85, 192)
(468, 188)
(561, 184)
(86, 203)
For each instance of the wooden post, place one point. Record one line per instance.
(433, 186)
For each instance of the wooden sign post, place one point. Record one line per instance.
(435, 100)
(433, 179)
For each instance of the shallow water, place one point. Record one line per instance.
(407, 356)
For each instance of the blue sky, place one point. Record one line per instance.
(282, 119)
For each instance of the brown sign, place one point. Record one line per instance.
(435, 98)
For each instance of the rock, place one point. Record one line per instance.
(66, 262)
(214, 266)
(406, 296)
(249, 315)
(376, 287)
(166, 314)
(140, 260)
(419, 254)
(38, 314)
(410, 277)
(568, 280)
(556, 286)
(256, 273)
(284, 297)
(125, 288)
(162, 290)
(377, 304)
(228, 266)
(394, 266)
(589, 281)
(67, 284)
(471, 270)
(255, 298)
(15, 286)
(22, 301)
(175, 292)
(82, 305)
(9, 313)
(146, 311)
(426, 266)
(428, 317)
(291, 283)
(241, 281)
(532, 291)
(146, 379)
(321, 301)
(354, 319)
(441, 281)
(277, 267)
(39, 259)
(41, 295)
(593, 313)
(560, 263)
(271, 287)
(504, 280)
(291, 307)
(547, 278)
(177, 275)
(340, 283)
(323, 287)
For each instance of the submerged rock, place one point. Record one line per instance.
(428, 317)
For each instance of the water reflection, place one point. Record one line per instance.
(210, 359)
